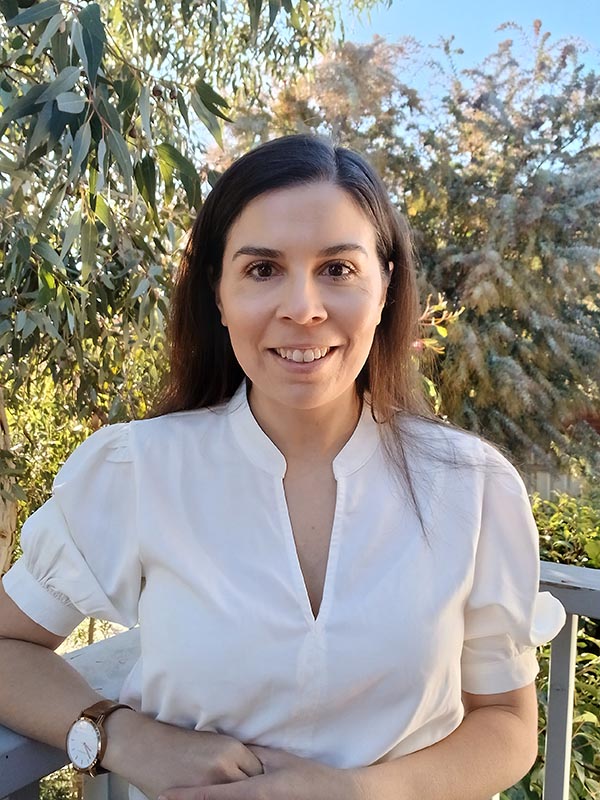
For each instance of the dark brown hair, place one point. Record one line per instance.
(203, 368)
(204, 371)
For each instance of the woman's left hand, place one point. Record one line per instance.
(286, 777)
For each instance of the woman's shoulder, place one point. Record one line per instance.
(193, 424)
(119, 441)
(436, 436)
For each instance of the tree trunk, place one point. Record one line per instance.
(8, 508)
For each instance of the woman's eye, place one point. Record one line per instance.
(262, 270)
(338, 269)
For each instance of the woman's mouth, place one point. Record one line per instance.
(304, 355)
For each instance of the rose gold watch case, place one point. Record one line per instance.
(96, 715)
(101, 746)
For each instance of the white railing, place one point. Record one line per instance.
(105, 664)
(24, 761)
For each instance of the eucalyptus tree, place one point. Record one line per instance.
(105, 112)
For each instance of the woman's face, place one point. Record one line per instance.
(301, 294)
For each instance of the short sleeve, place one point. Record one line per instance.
(80, 552)
(506, 616)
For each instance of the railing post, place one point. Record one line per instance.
(559, 732)
(95, 788)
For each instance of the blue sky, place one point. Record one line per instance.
(473, 22)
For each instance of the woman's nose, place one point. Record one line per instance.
(301, 301)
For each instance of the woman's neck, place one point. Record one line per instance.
(315, 434)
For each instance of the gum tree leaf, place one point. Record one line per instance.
(209, 97)
(30, 325)
(20, 321)
(41, 130)
(65, 80)
(145, 113)
(9, 9)
(46, 277)
(94, 38)
(211, 100)
(52, 203)
(176, 160)
(81, 148)
(255, 7)
(183, 109)
(36, 13)
(145, 178)
(274, 9)
(101, 155)
(71, 102)
(105, 216)
(77, 39)
(89, 241)
(71, 233)
(109, 112)
(142, 288)
(128, 92)
(171, 160)
(58, 122)
(60, 48)
(49, 31)
(118, 147)
(206, 117)
(48, 253)
(25, 105)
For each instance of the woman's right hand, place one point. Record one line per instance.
(155, 756)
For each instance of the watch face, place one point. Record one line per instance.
(83, 743)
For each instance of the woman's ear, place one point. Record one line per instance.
(220, 305)
(388, 277)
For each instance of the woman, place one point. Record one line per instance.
(337, 595)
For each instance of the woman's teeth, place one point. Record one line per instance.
(303, 355)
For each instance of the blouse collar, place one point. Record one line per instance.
(264, 454)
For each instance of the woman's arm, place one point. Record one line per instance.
(41, 695)
(491, 749)
(494, 747)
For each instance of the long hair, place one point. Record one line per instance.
(204, 371)
(203, 368)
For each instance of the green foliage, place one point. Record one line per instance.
(585, 752)
(61, 785)
(101, 166)
(46, 425)
(568, 526)
(101, 174)
(569, 529)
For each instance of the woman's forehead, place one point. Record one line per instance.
(321, 214)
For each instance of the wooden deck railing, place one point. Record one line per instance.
(23, 762)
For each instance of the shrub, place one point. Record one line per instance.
(570, 534)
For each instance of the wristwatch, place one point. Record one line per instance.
(86, 738)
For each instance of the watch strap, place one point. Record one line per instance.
(101, 710)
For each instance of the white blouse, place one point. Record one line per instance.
(181, 523)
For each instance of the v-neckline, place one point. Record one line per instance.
(264, 454)
(318, 620)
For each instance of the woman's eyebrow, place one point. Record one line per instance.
(267, 252)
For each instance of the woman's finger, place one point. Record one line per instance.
(240, 790)
(274, 759)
